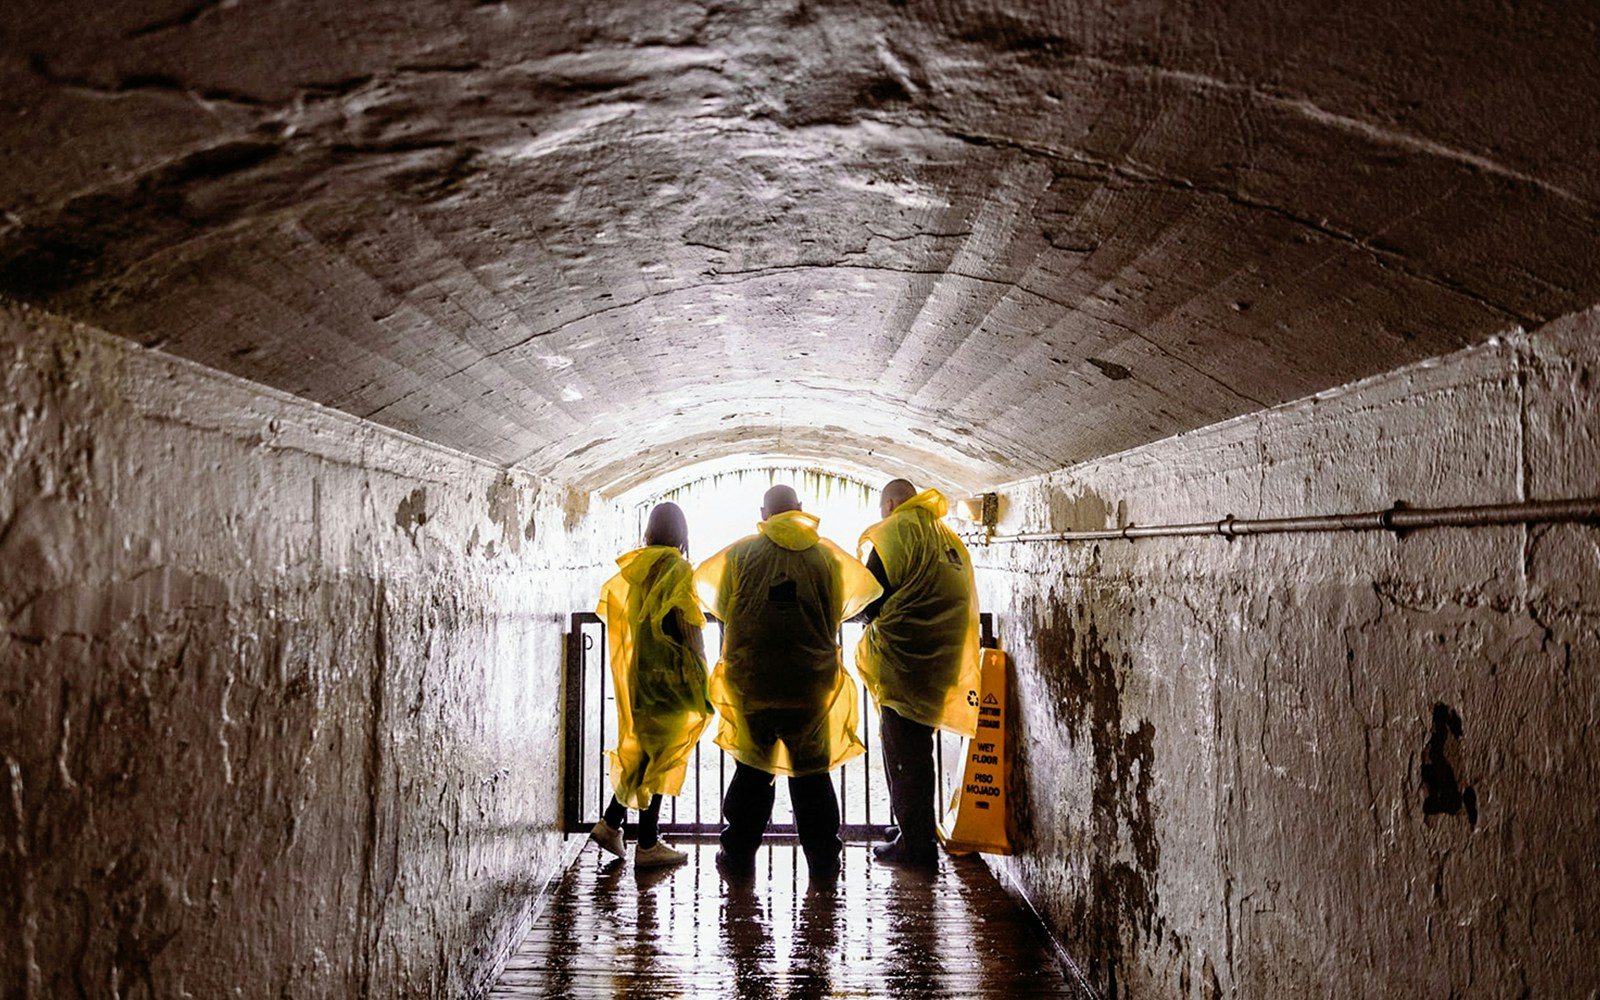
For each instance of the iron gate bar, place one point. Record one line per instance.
(600, 686)
(574, 681)
(581, 642)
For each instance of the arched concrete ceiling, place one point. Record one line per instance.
(966, 240)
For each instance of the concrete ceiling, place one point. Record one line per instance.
(968, 241)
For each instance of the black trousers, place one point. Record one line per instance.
(747, 809)
(648, 830)
(908, 764)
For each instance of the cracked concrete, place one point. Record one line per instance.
(253, 185)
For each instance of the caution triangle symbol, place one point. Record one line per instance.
(990, 699)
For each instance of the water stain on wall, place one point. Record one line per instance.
(1084, 676)
(576, 509)
(412, 513)
(1086, 511)
(505, 510)
(1442, 791)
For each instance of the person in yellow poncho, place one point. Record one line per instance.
(918, 654)
(786, 705)
(658, 667)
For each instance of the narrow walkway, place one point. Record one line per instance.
(611, 931)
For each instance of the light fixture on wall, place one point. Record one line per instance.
(983, 509)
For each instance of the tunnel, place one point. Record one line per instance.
(342, 344)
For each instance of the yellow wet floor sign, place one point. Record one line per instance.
(980, 802)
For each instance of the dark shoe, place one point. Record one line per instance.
(735, 867)
(898, 852)
(891, 833)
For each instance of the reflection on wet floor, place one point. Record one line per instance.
(611, 931)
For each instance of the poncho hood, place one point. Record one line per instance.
(635, 566)
(929, 500)
(795, 530)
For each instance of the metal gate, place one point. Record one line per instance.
(590, 727)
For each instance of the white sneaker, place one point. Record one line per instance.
(608, 837)
(657, 855)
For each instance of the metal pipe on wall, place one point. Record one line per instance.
(1399, 519)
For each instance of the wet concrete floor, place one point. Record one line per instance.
(610, 931)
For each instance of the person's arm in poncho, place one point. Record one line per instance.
(875, 567)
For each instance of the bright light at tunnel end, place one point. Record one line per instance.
(725, 506)
(722, 497)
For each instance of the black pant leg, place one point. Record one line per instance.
(746, 810)
(816, 820)
(890, 758)
(649, 829)
(615, 814)
(908, 762)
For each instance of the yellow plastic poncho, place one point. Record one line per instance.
(920, 655)
(662, 703)
(787, 706)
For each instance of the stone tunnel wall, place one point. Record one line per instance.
(279, 689)
(1321, 765)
